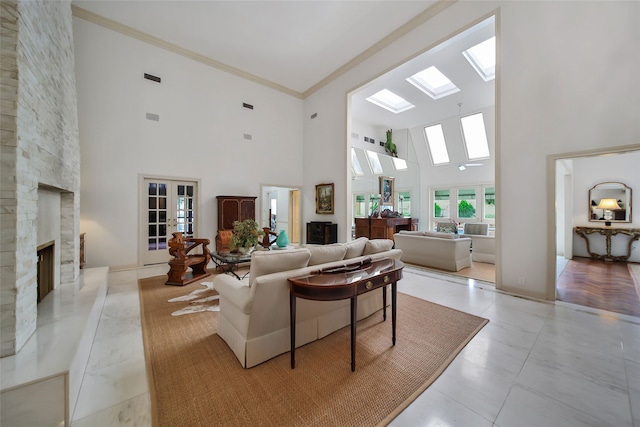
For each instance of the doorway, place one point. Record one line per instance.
(166, 206)
(573, 276)
(280, 210)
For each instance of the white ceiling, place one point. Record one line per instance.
(297, 44)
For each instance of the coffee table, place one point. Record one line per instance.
(228, 262)
(345, 282)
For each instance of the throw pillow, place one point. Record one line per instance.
(322, 254)
(355, 247)
(267, 262)
(440, 235)
(375, 246)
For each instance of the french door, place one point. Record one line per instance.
(167, 206)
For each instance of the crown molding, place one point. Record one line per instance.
(84, 14)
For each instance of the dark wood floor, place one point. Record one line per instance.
(598, 284)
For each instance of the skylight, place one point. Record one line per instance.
(432, 82)
(475, 136)
(355, 164)
(399, 164)
(437, 146)
(482, 58)
(374, 162)
(390, 101)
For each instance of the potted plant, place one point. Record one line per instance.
(246, 235)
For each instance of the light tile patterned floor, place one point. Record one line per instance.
(534, 364)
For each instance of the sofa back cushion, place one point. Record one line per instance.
(267, 262)
(441, 235)
(355, 248)
(321, 254)
(412, 233)
(478, 228)
(374, 246)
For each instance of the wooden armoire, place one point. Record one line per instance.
(230, 209)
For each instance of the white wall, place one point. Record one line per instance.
(567, 81)
(199, 136)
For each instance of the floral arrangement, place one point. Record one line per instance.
(246, 234)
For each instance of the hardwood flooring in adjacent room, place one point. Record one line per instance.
(598, 284)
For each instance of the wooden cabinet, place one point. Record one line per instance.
(235, 208)
(383, 228)
(322, 233)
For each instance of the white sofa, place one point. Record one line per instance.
(483, 249)
(445, 251)
(254, 313)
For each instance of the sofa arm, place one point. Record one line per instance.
(234, 291)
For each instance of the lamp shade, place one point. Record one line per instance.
(608, 204)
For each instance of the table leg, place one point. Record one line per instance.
(354, 315)
(394, 300)
(384, 303)
(292, 316)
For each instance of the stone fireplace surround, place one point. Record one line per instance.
(40, 152)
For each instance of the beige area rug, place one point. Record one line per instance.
(196, 380)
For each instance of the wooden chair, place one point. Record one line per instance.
(180, 248)
(268, 238)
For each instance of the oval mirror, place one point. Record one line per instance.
(610, 202)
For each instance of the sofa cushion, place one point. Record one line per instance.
(267, 262)
(322, 254)
(377, 245)
(412, 233)
(441, 235)
(355, 247)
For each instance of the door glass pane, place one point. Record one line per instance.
(152, 244)
(441, 205)
(153, 232)
(153, 216)
(153, 189)
(162, 243)
(162, 189)
(162, 216)
(467, 203)
(180, 190)
(152, 202)
(190, 190)
(162, 203)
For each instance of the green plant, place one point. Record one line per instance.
(246, 234)
(466, 209)
(437, 211)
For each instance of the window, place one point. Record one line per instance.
(482, 58)
(441, 204)
(374, 162)
(436, 145)
(390, 101)
(360, 206)
(432, 82)
(399, 164)
(475, 136)
(466, 203)
(355, 164)
(404, 203)
(489, 203)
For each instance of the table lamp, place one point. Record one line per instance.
(607, 205)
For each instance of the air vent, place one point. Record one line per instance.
(152, 78)
(314, 115)
(249, 106)
(354, 135)
(154, 117)
(248, 136)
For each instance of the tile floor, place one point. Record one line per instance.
(534, 364)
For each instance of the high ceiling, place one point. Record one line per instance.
(299, 44)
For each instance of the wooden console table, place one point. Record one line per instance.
(347, 282)
(383, 228)
(633, 233)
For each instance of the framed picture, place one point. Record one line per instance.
(387, 191)
(324, 198)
